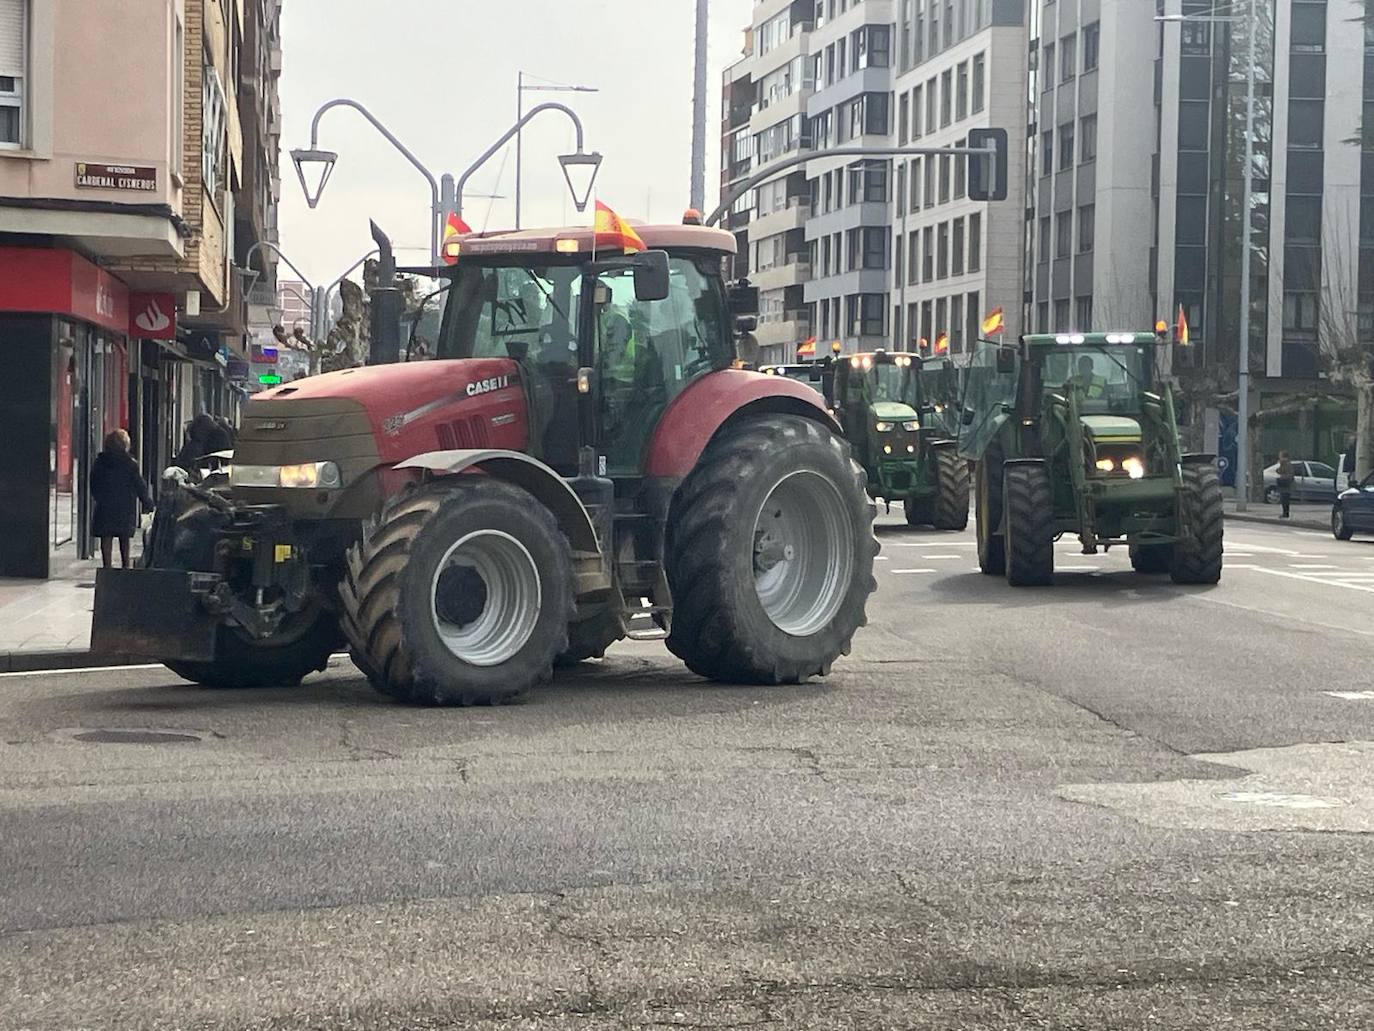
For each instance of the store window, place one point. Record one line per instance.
(13, 73)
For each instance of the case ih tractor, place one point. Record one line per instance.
(897, 430)
(1072, 434)
(577, 451)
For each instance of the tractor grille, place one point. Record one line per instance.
(463, 433)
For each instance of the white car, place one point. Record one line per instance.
(1312, 481)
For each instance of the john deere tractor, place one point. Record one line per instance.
(1074, 434)
(576, 450)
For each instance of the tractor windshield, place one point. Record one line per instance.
(1110, 378)
(511, 311)
(891, 383)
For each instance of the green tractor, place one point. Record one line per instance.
(882, 400)
(1073, 433)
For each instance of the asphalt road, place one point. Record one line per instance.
(1114, 803)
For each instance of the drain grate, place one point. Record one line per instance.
(135, 737)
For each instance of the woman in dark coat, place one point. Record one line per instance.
(117, 488)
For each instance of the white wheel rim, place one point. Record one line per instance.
(491, 628)
(803, 555)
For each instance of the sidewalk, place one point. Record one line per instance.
(46, 624)
(1307, 516)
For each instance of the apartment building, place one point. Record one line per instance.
(959, 65)
(136, 170)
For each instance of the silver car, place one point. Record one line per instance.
(1312, 481)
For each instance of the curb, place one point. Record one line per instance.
(37, 661)
(1304, 524)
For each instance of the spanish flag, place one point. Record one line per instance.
(807, 348)
(453, 229)
(1181, 327)
(614, 231)
(942, 344)
(994, 322)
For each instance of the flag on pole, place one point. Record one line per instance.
(807, 348)
(994, 322)
(942, 344)
(1181, 327)
(614, 231)
(454, 228)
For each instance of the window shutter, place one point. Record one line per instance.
(12, 37)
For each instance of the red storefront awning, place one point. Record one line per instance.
(61, 282)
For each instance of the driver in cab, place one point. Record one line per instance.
(1094, 387)
(633, 368)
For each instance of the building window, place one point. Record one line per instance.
(212, 141)
(915, 184)
(1061, 316)
(979, 82)
(1068, 57)
(960, 170)
(178, 141)
(974, 318)
(1046, 152)
(1066, 146)
(1047, 66)
(868, 248)
(913, 325)
(1045, 238)
(946, 97)
(928, 254)
(900, 198)
(956, 258)
(1063, 234)
(1193, 116)
(1303, 219)
(1042, 317)
(898, 257)
(913, 256)
(1305, 124)
(870, 314)
(896, 327)
(1086, 217)
(1087, 139)
(956, 323)
(1300, 311)
(975, 242)
(1308, 31)
(944, 179)
(13, 73)
(942, 252)
(930, 180)
(961, 92)
(903, 119)
(932, 92)
(1091, 42)
(916, 94)
(941, 316)
(1083, 314)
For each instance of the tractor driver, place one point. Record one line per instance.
(1092, 385)
(633, 383)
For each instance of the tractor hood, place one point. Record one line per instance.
(1112, 429)
(893, 411)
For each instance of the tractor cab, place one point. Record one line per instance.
(814, 374)
(877, 400)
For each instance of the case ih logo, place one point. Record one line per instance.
(486, 386)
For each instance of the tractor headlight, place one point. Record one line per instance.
(1105, 465)
(307, 475)
(884, 427)
(912, 426)
(1134, 466)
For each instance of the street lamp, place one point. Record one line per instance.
(520, 90)
(1247, 176)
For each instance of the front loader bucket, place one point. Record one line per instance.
(151, 613)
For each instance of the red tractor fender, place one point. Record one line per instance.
(523, 471)
(699, 412)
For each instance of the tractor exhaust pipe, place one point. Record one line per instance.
(388, 305)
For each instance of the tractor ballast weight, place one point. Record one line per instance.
(576, 451)
(1076, 434)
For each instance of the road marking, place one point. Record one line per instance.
(881, 558)
(79, 669)
(1252, 546)
(1212, 599)
(943, 556)
(1368, 588)
(1280, 799)
(913, 570)
(1076, 569)
(933, 544)
(1352, 696)
(1305, 565)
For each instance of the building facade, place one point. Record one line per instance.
(124, 216)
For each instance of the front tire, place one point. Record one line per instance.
(1030, 526)
(992, 547)
(951, 499)
(1340, 527)
(1197, 555)
(461, 594)
(769, 554)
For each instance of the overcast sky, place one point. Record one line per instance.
(441, 74)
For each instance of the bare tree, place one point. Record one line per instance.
(1345, 335)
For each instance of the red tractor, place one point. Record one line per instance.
(576, 450)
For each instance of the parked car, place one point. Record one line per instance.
(1353, 511)
(1312, 481)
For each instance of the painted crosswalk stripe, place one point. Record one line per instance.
(1352, 696)
(1309, 567)
(913, 570)
(943, 556)
(1308, 577)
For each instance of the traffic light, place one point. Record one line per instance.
(987, 175)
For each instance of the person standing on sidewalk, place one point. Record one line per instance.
(117, 488)
(1285, 483)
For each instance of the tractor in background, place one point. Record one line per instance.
(1076, 433)
(576, 449)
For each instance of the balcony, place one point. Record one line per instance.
(787, 331)
(794, 272)
(793, 216)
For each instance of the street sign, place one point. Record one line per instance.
(270, 379)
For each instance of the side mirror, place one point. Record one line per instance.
(746, 324)
(966, 417)
(744, 299)
(651, 276)
(1006, 361)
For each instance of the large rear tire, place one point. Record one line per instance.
(769, 553)
(460, 594)
(992, 546)
(185, 539)
(1201, 515)
(1030, 525)
(951, 501)
(919, 511)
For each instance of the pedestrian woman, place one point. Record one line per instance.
(1285, 483)
(117, 488)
